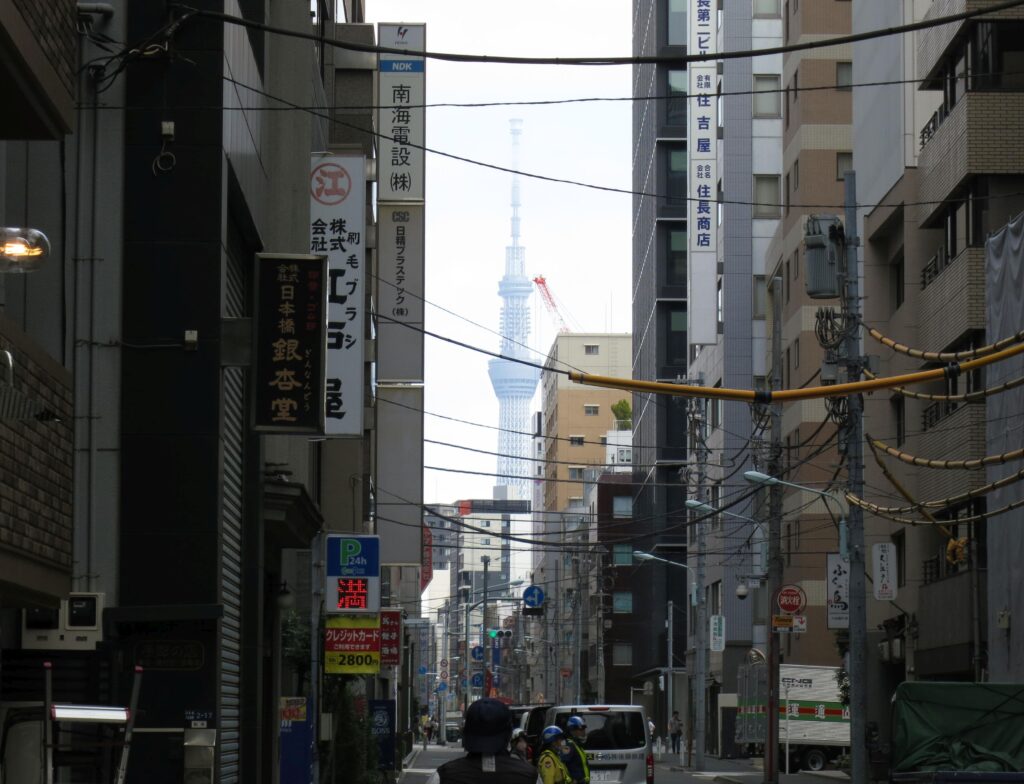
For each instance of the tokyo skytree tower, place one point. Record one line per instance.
(513, 382)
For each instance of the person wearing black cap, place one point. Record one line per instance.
(485, 737)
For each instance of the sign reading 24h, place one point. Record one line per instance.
(352, 583)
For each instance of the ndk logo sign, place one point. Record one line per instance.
(353, 556)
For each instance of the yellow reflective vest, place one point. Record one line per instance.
(551, 768)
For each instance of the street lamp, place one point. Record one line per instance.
(696, 599)
(22, 249)
(858, 629)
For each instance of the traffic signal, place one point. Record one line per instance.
(500, 634)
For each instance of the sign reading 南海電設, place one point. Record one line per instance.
(400, 114)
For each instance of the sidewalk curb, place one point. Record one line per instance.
(834, 775)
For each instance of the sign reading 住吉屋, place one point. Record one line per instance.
(337, 214)
(701, 163)
(288, 363)
(352, 644)
(352, 575)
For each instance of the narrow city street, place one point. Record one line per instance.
(420, 764)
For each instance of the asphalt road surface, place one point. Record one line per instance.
(666, 771)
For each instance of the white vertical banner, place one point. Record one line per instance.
(837, 601)
(702, 177)
(883, 557)
(400, 115)
(717, 633)
(400, 292)
(337, 214)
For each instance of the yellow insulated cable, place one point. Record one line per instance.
(952, 370)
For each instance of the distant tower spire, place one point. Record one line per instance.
(513, 382)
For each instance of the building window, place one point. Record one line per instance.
(675, 109)
(575, 440)
(622, 506)
(676, 22)
(622, 654)
(717, 408)
(796, 263)
(796, 353)
(766, 196)
(575, 500)
(591, 349)
(760, 297)
(675, 345)
(796, 176)
(676, 258)
(715, 600)
(897, 281)
(576, 473)
(844, 75)
(785, 281)
(590, 409)
(844, 163)
(719, 304)
(766, 8)
(676, 174)
(767, 98)
(622, 601)
(900, 540)
(485, 540)
(899, 416)
(622, 555)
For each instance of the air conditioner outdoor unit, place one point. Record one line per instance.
(76, 625)
(883, 650)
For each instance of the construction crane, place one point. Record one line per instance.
(550, 304)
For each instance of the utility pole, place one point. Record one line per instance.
(700, 670)
(442, 696)
(855, 483)
(485, 641)
(668, 672)
(771, 753)
(577, 626)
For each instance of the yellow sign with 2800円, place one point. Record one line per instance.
(352, 644)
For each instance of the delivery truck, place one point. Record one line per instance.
(814, 725)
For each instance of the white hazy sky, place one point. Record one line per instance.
(579, 239)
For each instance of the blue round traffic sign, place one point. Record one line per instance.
(423, 670)
(533, 596)
(442, 686)
(477, 653)
(478, 679)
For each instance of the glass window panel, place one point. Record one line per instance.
(675, 111)
(676, 22)
(622, 554)
(767, 96)
(622, 601)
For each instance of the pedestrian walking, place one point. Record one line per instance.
(485, 737)
(675, 731)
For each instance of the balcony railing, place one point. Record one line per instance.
(936, 412)
(935, 266)
(930, 127)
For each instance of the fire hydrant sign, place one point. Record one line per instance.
(352, 645)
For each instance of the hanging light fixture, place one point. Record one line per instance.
(22, 249)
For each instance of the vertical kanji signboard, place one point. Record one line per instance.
(702, 176)
(337, 229)
(402, 95)
(288, 362)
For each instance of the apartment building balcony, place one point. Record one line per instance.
(935, 44)
(951, 431)
(946, 619)
(977, 135)
(952, 300)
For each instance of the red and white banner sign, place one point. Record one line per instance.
(390, 637)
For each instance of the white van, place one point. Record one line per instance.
(618, 743)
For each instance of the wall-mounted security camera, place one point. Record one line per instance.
(742, 591)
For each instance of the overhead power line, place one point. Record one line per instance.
(191, 14)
